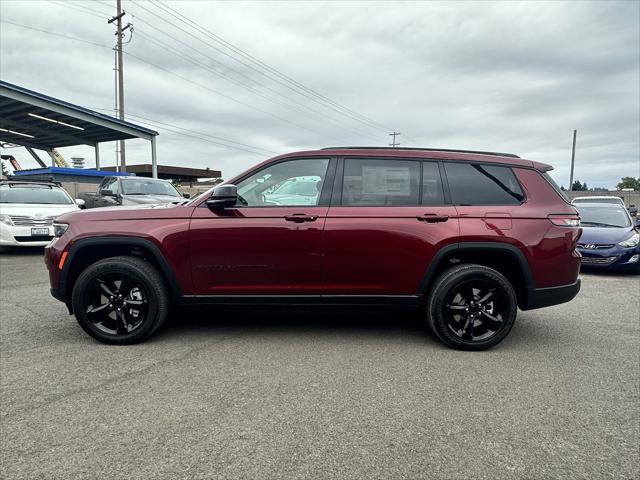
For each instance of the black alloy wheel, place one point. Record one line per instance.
(115, 303)
(120, 300)
(471, 307)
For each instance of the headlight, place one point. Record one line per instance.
(6, 219)
(631, 242)
(59, 229)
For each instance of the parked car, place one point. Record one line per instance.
(466, 237)
(610, 237)
(599, 199)
(303, 190)
(27, 212)
(114, 191)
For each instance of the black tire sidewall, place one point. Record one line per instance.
(448, 280)
(138, 270)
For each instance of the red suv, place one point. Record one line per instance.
(467, 237)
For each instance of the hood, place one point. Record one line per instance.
(605, 236)
(130, 212)
(36, 209)
(149, 199)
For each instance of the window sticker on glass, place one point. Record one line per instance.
(386, 181)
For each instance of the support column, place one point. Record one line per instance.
(97, 148)
(154, 160)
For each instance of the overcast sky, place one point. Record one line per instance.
(512, 77)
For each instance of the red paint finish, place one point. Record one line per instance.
(382, 250)
(336, 250)
(257, 250)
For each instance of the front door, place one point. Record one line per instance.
(270, 243)
(387, 220)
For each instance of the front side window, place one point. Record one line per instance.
(378, 182)
(475, 184)
(291, 183)
(111, 185)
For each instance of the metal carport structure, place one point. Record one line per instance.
(37, 121)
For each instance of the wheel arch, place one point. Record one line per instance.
(86, 251)
(505, 258)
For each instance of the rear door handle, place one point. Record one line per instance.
(300, 218)
(432, 218)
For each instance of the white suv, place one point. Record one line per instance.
(27, 211)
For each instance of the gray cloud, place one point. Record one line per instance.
(513, 77)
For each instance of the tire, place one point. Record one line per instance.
(471, 307)
(120, 300)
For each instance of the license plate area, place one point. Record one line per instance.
(39, 231)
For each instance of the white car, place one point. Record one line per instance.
(599, 199)
(27, 211)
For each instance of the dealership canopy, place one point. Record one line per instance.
(37, 121)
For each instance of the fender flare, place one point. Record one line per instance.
(512, 250)
(132, 241)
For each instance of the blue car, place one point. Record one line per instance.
(609, 239)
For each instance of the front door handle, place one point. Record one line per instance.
(432, 218)
(300, 218)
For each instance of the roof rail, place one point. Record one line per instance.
(478, 152)
(49, 183)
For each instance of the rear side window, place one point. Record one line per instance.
(475, 184)
(432, 193)
(381, 182)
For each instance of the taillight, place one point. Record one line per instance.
(564, 219)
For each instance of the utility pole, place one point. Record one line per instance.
(120, 88)
(573, 159)
(394, 144)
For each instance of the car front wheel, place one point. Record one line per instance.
(471, 307)
(120, 300)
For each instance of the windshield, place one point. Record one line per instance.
(597, 216)
(148, 187)
(34, 194)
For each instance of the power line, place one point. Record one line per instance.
(267, 67)
(195, 61)
(248, 65)
(166, 71)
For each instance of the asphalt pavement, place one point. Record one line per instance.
(266, 395)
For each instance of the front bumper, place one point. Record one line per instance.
(19, 236)
(545, 297)
(614, 258)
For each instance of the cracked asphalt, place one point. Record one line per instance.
(255, 394)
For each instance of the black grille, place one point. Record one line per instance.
(34, 238)
(598, 260)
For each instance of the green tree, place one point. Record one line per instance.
(629, 182)
(578, 186)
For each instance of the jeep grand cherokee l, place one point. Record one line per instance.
(467, 237)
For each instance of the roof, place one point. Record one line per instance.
(426, 149)
(171, 172)
(82, 172)
(421, 153)
(35, 120)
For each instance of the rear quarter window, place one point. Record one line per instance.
(477, 184)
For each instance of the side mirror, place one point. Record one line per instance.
(186, 195)
(80, 202)
(223, 196)
(107, 193)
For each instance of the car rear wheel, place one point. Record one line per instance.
(471, 307)
(120, 300)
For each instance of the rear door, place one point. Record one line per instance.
(387, 219)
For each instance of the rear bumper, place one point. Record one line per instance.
(545, 297)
